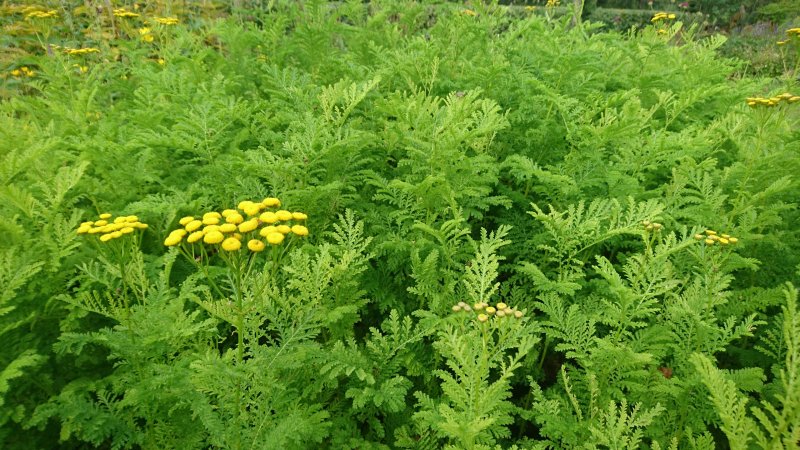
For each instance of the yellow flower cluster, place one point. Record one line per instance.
(652, 226)
(710, 237)
(500, 310)
(230, 227)
(662, 16)
(166, 20)
(786, 97)
(793, 33)
(23, 71)
(109, 229)
(81, 51)
(41, 14)
(124, 13)
(145, 35)
(552, 3)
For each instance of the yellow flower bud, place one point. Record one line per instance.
(518, 314)
(231, 244)
(193, 225)
(482, 317)
(256, 245)
(235, 218)
(250, 225)
(172, 240)
(299, 230)
(501, 306)
(194, 237)
(214, 237)
(490, 310)
(275, 238)
(456, 308)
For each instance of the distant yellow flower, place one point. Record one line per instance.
(268, 217)
(283, 215)
(469, 12)
(194, 237)
(105, 216)
(248, 226)
(709, 242)
(300, 230)
(172, 240)
(214, 237)
(733, 240)
(231, 244)
(518, 314)
(125, 14)
(145, 35)
(194, 225)
(185, 220)
(275, 238)
(42, 14)
(166, 20)
(256, 245)
(81, 51)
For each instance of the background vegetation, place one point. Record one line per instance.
(453, 162)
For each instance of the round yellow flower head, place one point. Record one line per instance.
(131, 219)
(210, 220)
(271, 202)
(478, 306)
(283, 215)
(95, 230)
(141, 226)
(90, 223)
(193, 225)
(185, 220)
(105, 216)
(231, 244)
(711, 232)
(518, 314)
(256, 245)
(106, 237)
(482, 317)
(119, 219)
(299, 230)
(490, 310)
(268, 217)
(244, 204)
(275, 238)
(267, 230)
(252, 209)
(456, 308)
(699, 237)
(733, 240)
(723, 241)
(101, 223)
(214, 237)
(283, 229)
(83, 229)
(501, 306)
(235, 218)
(299, 216)
(250, 225)
(194, 237)
(501, 313)
(180, 232)
(116, 234)
(210, 228)
(228, 212)
(127, 230)
(172, 240)
(709, 242)
(227, 228)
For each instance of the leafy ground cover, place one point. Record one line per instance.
(392, 225)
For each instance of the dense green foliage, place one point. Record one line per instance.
(442, 155)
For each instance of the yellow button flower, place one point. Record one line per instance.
(244, 204)
(235, 218)
(267, 230)
(250, 225)
(83, 229)
(105, 216)
(283, 215)
(255, 245)
(90, 223)
(141, 226)
(126, 230)
(180, 232)
(106, 237)
(501, 306)
(231, 244)
(299, 216)
(490, 310)
(116, 234)
(214, 237)
(275, 238)
(228, 212)
(101, 223)
(252, 209)
(299, 230)
(131, 219)
(194, 237)
(482, 317)
(96, 230)
(283, 229)
(227, 228)
(210, 220)
(268, 217)
(193, 225)
(270, 202)
(185, 220)
(210, 228)
(172, 240)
